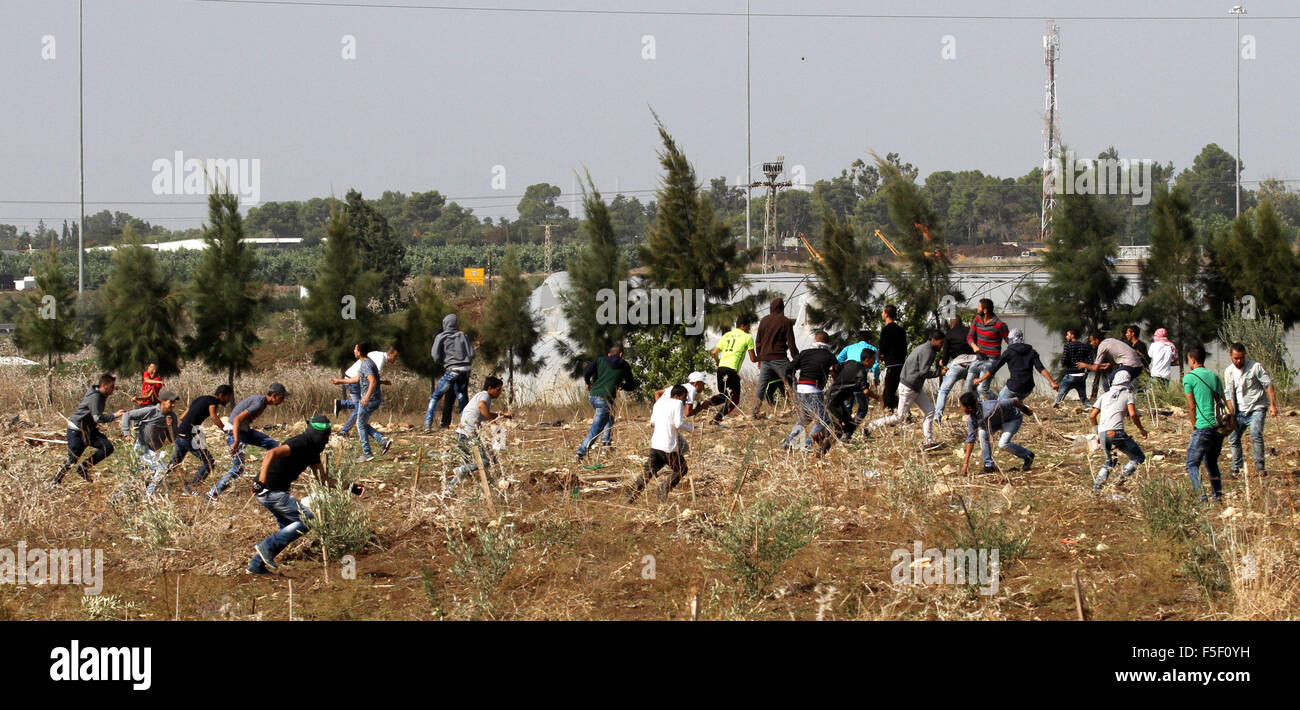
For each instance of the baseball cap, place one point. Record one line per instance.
(697, 376)
(167, 395)
(277, 388)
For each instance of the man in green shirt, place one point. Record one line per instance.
(1202, 386)
(730, 355)
(605, 376)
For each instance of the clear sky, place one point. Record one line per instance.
(437, 97)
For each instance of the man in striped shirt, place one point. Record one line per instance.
(985, 339)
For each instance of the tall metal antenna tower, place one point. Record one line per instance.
(772, 170)
(1051, 131)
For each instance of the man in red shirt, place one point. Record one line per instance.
(985, 340)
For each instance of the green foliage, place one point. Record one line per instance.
(419, 325)
(664, 355)
(336, 314)
(1083, 289)
(483, 564)
(1172, 282)
(48, 328)
(599, 265)
(1256, 259)
(756, 541)
(226, 303)
(380, 249)
(842, 289)
(510, 328)
(1174, 516)
(688, 248)
(1265, 339)
(140, 314)
(341, 526)
(983, 527)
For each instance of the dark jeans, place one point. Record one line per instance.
(658, 459)
(1205, 446)
(1073, 382)
(1112, 446)
(185, 445)
(840, 409)
(771, 379)
(449, 383)
(289, 515)
(78, 442)
(729, 387)
(890, 395)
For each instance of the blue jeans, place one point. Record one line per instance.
(186, 446)
(1205, 446)
(354, 398)
(1009, 430)
(977, 369)
(364, 430)
(457, 382)
(949, 381)
(292, 519)
(812, 419)
(1008, 393)
(1121, 442)
(1076, 382)
(602, 422)
(153, 464)
(252, 436)
(1255, 422)
(467, 445)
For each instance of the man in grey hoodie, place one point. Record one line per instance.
(83, 429)
(917, 368)
(453, 349)
(156, 429)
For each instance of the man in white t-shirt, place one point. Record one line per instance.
(1107, 414)
(666, 419)
(477, 411)
(1163, 354)
(695, 384)
(351, 382)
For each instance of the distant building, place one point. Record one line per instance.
(25, 283)
(198, 244)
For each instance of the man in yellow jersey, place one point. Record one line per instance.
(730, 355)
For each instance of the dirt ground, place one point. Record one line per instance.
(545, 538)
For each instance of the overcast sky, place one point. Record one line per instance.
(437, 98)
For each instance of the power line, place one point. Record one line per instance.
(723, 13)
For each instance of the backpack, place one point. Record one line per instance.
(1224, 421)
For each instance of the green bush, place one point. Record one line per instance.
(482, 564)
(662, 357)
(756, 541)
(341, 526)
(1265, 341)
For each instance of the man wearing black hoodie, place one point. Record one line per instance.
(83, 429)
(453, 349)
(1021, 360)
(774, 338)
(814, 366)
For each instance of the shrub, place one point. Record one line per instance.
(482, 564)
(756, 541)
(341, 526)
(1265, 341)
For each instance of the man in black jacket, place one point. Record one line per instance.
(1021, 360)
(893, 351)
(83, 429)
(852, 381)
(808, 373)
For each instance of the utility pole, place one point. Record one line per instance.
(1236, 47)
(772, 170)
(81, 146)
(749, 160)
(546, 250)
(1051, 133)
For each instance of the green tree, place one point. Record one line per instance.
(510, 328)
(140, 313)
(1082, 289)
(921, 277)
(688, 248)
(419, 324)
(844, 277)
(380, 248)
(337, 315)
(1256, 260)
(227, 303)
(1211, 182)
(598, 266)
(1171, 280)
(46, 327)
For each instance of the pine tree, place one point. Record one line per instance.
(226, 303)
(598, 266)
(844, 277)
(510, 329)
(922, 277)
(688, 247)
(1082, 289)
(1256, 259)
(336, 315)
(419, 325)
(140, 313)
(1172, 285)
(381, 249)
(47, 326)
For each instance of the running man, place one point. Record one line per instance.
(852, 380)
(729, 354)
(1247, 385)
(157, 429)
(853, 353)
(190, 438)
(892, 353)
(452, 348)
(1074, 376)
(240, 432)
(984, 418)
(918, 368)
(605, 376)
(814, 366)
(1108, 416)
(666, 420)
(477, 412)
(1202, 388)
(351, 382)
(985, 339)
(83, 430)
(774, 339)
(371, 398)
(1021, 360)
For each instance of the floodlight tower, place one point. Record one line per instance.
(772, 170)
(1051, 131)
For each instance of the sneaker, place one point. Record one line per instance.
(85, 473)
(336, 407)
(266, 559)
(385, 446)
(720, 425)
(990, 469)
(366, 459)
(931, 446)
(210, 496)
(250, 569)
(1029, 462)
(577, 458)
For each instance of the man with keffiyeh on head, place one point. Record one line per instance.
(1163, 354)
(1108, 416)
(1021, 360)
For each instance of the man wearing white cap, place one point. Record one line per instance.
(695, 383)
(1108, 416)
